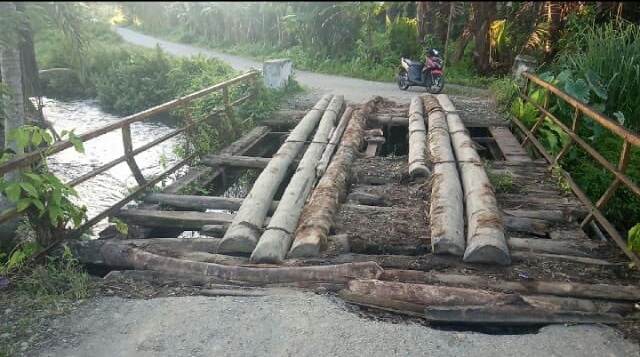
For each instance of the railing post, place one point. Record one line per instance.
(187, 123)
(128, 148)
(623, 162)
(574, 128)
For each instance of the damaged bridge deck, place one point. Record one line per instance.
(371, 215)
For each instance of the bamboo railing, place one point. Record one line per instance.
(129, 152)
(595, 217)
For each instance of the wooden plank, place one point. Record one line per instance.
(239, 161)
(509, 315)
(186, 220)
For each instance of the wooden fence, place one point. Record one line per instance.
(129, 152)
(595, 217)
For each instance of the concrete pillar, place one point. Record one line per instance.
(276, 73)
(523, 63)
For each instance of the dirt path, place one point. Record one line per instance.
(289, 322)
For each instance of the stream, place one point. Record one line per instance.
(106, 189)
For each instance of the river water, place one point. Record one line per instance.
(113, 185)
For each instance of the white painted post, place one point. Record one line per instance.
(276, 73)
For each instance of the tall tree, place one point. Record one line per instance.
(483, 15)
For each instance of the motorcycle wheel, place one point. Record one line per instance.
(437, 84)
(403, 80)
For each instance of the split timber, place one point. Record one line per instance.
(376, 251)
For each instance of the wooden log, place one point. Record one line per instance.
(213, 258)
(275, 241)
(366, 198)
(578, 290)
(334, 141)
(514, 316)
(551, 215)
(557, 303)
(197, 203)
(542, 245)
(486, 242)
(243, 233)
(400, 307)
(533, 226)
(417, 140)
(531, 256)
(446, 207)
(317, 216)
(239, 161)
(184, 220)
(429, 295)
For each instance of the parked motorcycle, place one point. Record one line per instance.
(426, 74)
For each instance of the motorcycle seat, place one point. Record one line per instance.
(412, 62)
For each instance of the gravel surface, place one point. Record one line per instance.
(290, 322)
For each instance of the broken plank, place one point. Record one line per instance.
(509, 315)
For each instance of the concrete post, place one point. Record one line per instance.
(276, 73)
(523, 63)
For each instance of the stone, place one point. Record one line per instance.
(276, 73)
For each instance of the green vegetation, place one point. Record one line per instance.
(502, 182)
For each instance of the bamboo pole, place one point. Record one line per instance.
(446, 207)
(417, 139)
(317, 216)
(243, 233)
(486, 242)
(275, 241)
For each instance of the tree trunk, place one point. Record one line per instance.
(333, 142)
(486, 242)
(446, 207)
(417, 140)
(483, 15)
(275, 241)
(317, 216)
(243, 233)
(14, 117)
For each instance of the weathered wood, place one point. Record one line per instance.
(531, 256)
(243, 233)
(542, 245)
(551, 215)
(534, 226)
(334, 141)
(191, 202)
(202, 176)
(513, 316)
(400, 307)
(232, 292)
(430, 295)
(126, 256)
(589, 291)
(214, 230)
(374, 146)
(275, 241)
(317, 216)
(446, 205)
(388, 120)
(558, 303)
(185, 220)
(417, 140)
(367, 199)
(508, 144)
(239, 161)
(486, 242)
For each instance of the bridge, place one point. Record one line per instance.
(412, 207)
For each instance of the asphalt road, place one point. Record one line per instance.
(288, 322)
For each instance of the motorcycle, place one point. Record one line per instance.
(426, 74)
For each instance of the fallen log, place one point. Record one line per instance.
(333, 142)
(125, 256)
(275, 241)
(400, 307)
(446, 207)
(429, 295)
(517, 316)
(185, 220)
(417, 140)
(551, 215)
(243, 233)
(560, 247)
(317, 216)
(533, 226)
(557, 303)
(388, 120)
(486, 242)
(578, 290)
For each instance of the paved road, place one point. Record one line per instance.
(288, 322)
(354, 90)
